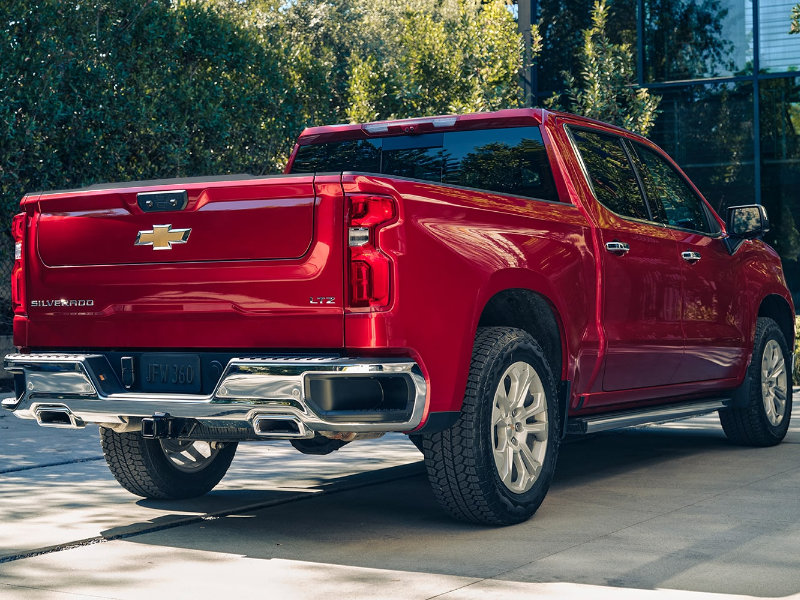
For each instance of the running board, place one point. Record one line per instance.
(659, 414)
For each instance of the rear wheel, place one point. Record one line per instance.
(495, 464)
(165, 469)
(763, 418)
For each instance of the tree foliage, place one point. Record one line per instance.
(604, 88)
(795, 20)
(389, 59)
(104, 90)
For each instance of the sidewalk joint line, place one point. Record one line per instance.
(53, 464)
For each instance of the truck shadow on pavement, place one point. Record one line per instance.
(658, 507)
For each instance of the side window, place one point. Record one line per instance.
(612, 176)
(511, 160)
(666, 188)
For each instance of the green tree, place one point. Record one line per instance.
(604, 88)
(795, 22)
(452, 56)
(104, 90)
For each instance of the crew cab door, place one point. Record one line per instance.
(641, 271)
(711, 313)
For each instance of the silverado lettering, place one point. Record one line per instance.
(62, 302)
(507, 279)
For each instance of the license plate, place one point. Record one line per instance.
(170, 373)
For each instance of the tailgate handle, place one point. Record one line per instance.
(162, 201)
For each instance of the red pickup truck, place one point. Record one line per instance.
(487, 283)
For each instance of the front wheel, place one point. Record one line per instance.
(165, 469)
(763, 418)
(495, 464)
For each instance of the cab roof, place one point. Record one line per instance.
(513, 117)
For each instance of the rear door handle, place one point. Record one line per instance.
(618, 248)
(691, 257)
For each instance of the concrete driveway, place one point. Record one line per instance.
(670, 511)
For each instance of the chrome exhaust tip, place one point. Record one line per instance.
(283, 427)
(57, 416)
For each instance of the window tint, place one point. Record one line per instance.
(510, 160)
(677, 203)
(610, 170)
(418, 156)
(351, 155)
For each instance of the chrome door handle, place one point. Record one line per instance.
(618, 248)
(691, 257)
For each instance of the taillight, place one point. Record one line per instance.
(370, 269)
(18, 271)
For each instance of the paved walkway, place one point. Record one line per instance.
(672, 511)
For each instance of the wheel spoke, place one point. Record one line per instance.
(188, 456)
(769, 406)
(528, 465)
(537, 430)
(523, 474)
(778, 406)
(777, 356)
(535, 407)
(501, 438)
(524, 390)
(505, 463)
(501, 400)
(777, 370)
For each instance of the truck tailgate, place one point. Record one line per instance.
(242, 265)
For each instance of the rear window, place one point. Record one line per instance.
(510, 160)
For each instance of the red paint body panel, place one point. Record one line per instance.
(182, 298)
(453, 250)
(271, 219)
(635, 329)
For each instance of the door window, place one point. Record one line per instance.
(610, 172)
(675, 202)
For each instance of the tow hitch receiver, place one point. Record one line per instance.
(161, 426)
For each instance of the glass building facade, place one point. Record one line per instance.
(728, 74)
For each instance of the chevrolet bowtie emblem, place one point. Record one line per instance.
(161, 237)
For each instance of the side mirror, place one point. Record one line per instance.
(747, 222)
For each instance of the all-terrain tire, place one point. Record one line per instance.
(467, 463)
(143, 468)
(762, 418)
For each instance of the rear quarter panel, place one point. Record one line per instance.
(453, 249)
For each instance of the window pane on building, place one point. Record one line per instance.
(780, 170)
(689, 39)
(778, 51)
(708, 130)
(561, 25)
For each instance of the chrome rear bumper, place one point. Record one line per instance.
(71, 390)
